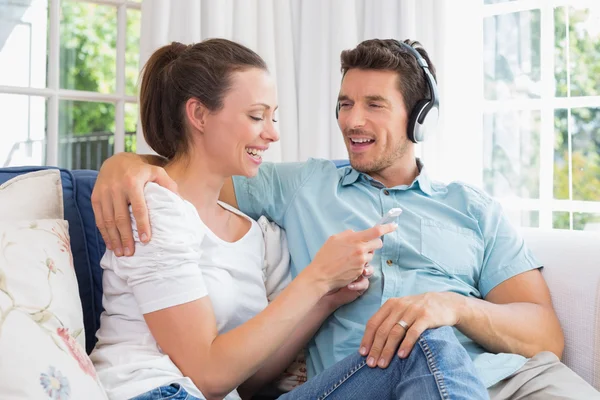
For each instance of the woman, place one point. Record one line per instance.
(187, 316)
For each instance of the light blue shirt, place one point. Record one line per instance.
(450, 238)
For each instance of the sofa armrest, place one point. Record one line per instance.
(571, 262)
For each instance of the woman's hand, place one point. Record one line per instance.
(120, 183)
(344, 256)
(337, 298)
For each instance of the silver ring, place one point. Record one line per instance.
(403, 325)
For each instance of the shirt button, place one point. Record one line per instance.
(386, 192)
(389, 262)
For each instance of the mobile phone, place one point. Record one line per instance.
(390, 216)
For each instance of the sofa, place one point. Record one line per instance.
(571, 260)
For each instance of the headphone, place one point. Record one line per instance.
(424, 116)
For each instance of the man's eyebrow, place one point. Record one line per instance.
(377, 98)
(374, 97)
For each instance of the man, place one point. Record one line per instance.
(454, 259)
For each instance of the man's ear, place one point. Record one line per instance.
(196, 114)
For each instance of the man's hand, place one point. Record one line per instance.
(120, 183)
(383, 333)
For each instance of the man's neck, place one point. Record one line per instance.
(403, 172)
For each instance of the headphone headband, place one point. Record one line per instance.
(434, 101)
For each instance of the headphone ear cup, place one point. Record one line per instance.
(416, 130)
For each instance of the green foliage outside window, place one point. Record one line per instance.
(88, 37)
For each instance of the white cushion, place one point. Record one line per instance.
(571, 262)
(35, 195)
(41, 321)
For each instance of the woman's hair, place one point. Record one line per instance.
(177, 72)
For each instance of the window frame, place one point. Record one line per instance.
(53, 93)
(546, 205)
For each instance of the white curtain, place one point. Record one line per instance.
(301, 41)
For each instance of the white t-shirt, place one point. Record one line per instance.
(183, 261)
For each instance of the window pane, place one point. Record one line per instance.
(24, 130)
(560, 51)
(88, 37)
(511, 59)
(586, 147)
(528, 219)
(561, 154)
(132, 52)
(585, 158)
(511, 155)
(131, 118)
(23, 43)
(560, 220)
(86, 134)
(586, 221)
(584, 50)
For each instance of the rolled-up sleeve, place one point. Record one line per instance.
(505, 253)
(165, 271)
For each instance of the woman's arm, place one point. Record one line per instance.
(164, 277)
(217, 364)
(275, 365)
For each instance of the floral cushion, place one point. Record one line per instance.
(42, 341)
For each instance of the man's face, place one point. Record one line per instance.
(373, 119)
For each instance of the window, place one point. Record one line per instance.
(68, 74)
(541, 106)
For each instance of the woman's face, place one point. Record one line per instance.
(236, 136)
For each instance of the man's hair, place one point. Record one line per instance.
(378, 54)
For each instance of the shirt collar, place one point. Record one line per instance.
(422, 181)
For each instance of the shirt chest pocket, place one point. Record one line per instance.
(455, 249)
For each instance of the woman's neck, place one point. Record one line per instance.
(197, 183)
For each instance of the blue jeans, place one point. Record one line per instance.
(171, 392)
(438, 367)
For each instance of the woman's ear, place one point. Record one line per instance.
(196, 114)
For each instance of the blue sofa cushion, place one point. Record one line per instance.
(87, 245)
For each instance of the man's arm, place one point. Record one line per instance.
(516, 317)
(121, 182)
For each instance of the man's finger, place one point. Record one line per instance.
(411, 337)
(381, 337)
(375, 232)
(391, 345)
(368, 271)
(123, 222)
(372, 327)
(100, 220)
(140, 214)
(108, 214)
